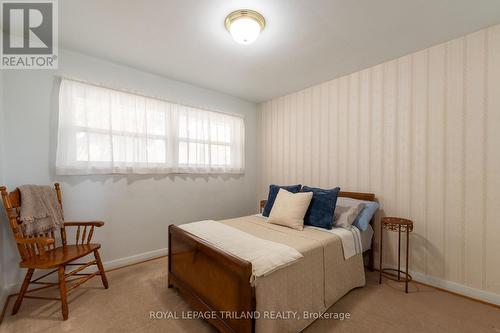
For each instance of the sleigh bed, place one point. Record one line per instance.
(218, 283)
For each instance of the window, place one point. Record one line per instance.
(104, 131)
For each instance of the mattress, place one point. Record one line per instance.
(309, 286)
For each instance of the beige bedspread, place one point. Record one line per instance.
(265, 256)
(311, 285)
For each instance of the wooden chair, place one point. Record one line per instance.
(40, 252)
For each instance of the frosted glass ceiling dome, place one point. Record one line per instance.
(245, 25)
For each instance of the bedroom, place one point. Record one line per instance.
(153, 115)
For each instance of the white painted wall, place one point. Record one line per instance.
(422, 133)
(137, 208)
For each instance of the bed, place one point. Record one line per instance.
(218, 283)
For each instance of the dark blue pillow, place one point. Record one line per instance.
(273, 192)
(322, 207)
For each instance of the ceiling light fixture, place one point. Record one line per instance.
(245, 25)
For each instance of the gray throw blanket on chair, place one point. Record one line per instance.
(40, 210)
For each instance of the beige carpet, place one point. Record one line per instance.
(135, 291)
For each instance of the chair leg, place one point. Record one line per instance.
(63, 292)
(24, 288)
(101, 269)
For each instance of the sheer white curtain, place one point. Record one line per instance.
(105, 131)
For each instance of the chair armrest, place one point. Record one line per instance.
(84, 224)
(83, 237)
(42, 241)
(30, 243)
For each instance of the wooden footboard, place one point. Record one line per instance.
(211, 281)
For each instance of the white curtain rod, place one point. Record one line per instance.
(63, 77)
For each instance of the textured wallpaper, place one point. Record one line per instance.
(422, 132)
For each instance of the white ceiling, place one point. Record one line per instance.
(304, 43)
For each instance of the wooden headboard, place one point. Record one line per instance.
(358, 195)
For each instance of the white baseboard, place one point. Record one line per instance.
(134, 259)
(454, 287)
(481, 295)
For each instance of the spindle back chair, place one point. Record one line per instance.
(40, 252)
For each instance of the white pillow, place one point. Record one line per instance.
(289, 209)
(345, 215)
